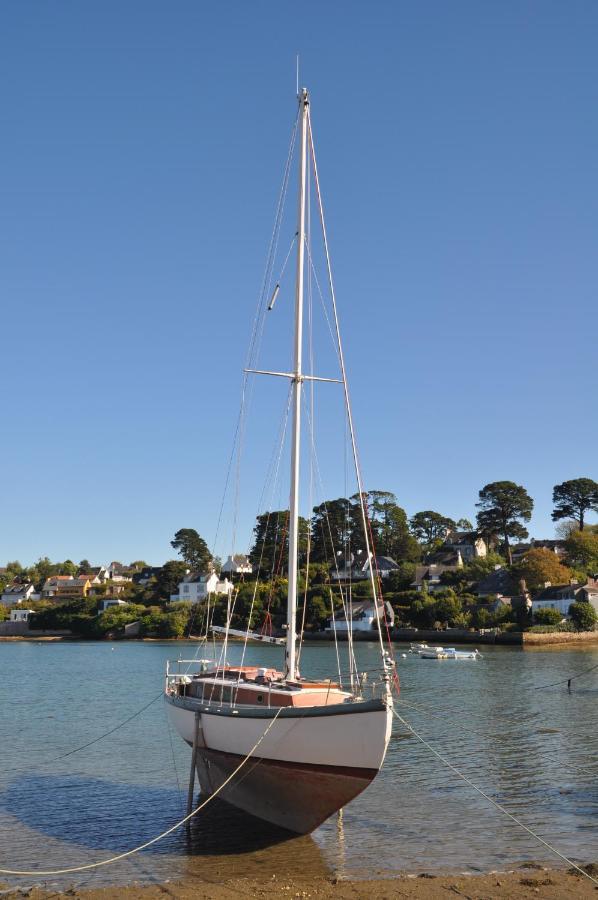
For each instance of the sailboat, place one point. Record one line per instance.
(313, 745)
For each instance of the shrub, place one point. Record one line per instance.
(583, 616)
(546, 615)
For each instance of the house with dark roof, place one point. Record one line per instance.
(561, 596)
(196, 587)
(237, 564)
(500, 581)
(361, 616)
(354, 570)
(429, 575)
(383, 566)
(15, 594)
(144, 577)
(467, 543)
(52, 584)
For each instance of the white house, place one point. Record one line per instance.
(467, 543)
(15, 594)
(237, 564)
(104, 604)
(363, 617)
(561, 596)
(194, 588)
(20, 615)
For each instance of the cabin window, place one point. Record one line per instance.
(260, 698)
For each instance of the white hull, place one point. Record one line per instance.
(358, 740)
(308, 765)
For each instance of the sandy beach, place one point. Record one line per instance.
(531, 882)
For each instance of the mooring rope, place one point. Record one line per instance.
(159, 837)
(48, 762)
(418, 707)
(490, 799)
(540, 687)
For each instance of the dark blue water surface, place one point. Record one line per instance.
(534, 750)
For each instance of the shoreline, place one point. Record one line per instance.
(529, 881)
(523, 640)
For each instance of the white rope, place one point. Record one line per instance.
(491, 799)
(112, 859)
(441, 715)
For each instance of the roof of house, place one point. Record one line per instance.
(76, 582)
(454, 538)
(17, 588)
(554, 591)
(199, 577)
(498, 582)
(365, 606)
(443, 557)
(56, 579)
(425, 571)
(147, 572)
(383, 562)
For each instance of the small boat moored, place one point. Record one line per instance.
(448, 653)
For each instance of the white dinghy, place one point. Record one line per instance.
(448, 653)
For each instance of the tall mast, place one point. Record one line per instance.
(291, 671)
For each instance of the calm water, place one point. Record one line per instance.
(536, 751)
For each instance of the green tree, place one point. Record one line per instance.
(192, 549)
(583, 615)
(464, 525)
(481, 566)
(539, 566)
(503, 506)
(389, 526)
(401, 579)
(573, 499)
(331, 531)
(85, 565)
(429, 526)
(68, 567)
(42, 570)
(168, 579)
(449, 607)
(582, 550)
(546, 615)
(270, 551)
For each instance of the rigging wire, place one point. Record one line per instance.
(491, 800)
(342, 593)
(275, 477)
(364, 514)
(258, 321)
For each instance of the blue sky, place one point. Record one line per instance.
(141, 154)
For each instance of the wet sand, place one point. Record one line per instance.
(524, 883)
